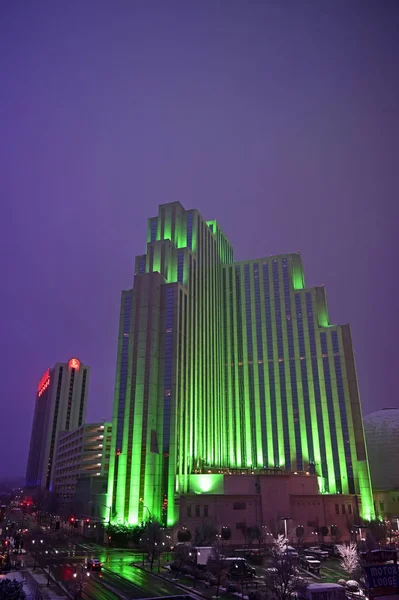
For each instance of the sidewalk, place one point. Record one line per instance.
(38, 581)
(35, 585)
(30, 595)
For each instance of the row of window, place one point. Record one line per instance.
(236, 355)
(123, 371)
(168, 369)
(346, 509)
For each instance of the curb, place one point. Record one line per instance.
(57, 583)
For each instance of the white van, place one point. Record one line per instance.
(324, 591)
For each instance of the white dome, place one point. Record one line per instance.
(381, 429)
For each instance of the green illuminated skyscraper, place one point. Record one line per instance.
(224, 364)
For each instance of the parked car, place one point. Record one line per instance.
(353, 589)
(290, 550)
(239, 567)
(317, 551)
(93, 564)
(310, 563)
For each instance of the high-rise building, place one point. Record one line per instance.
(226, 365)
(61, 401)
(81, 452)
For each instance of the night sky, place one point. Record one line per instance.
(278, 118)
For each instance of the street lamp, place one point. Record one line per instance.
(48, 573)
(34, 555)
(79, 590)
(358, 530)
(105, 506)
(148, 510)
(285, 519)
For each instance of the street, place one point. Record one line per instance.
(118, 578)
(66, 555)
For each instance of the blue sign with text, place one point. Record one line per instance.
(382, 576)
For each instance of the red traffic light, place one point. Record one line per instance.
(87, 520)
(72, 519)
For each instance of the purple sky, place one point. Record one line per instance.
(279, 119)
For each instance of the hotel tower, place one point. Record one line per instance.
(61, 400)
(225, 364)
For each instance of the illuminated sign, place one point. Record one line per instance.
(43, 383)
(74, 363)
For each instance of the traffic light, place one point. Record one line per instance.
(87, 520)
(72, 520)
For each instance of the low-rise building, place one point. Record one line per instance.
(270, 501)
(381, 429)
(81, 453)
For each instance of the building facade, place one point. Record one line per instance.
(61, 401)
(269, 502)
(382, 437)
(81, 452)
(381, 429)
(227, 365)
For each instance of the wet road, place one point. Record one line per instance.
(138, 585)
(118, 578)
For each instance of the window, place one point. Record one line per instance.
(239, 505)
(142, 264)
(206, 510)
(154, 224)
(180, 266)
(189, 510)
(197, 510)
(382, 506)
(349, 509)
(337, 509)
(343, 509)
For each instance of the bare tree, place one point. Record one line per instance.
(279, 545)
(282, 579)
(376, 534)
(335, 534)
(244, 530)
(205, 535)
(151, 540)
(184, 535)
(182, 557)
(300, 532)
(350, 558)
(254, 534)
(217, 566)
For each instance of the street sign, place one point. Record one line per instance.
(378, 556)
(382, 576)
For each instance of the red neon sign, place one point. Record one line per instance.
(43, 383)
(74, 363)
